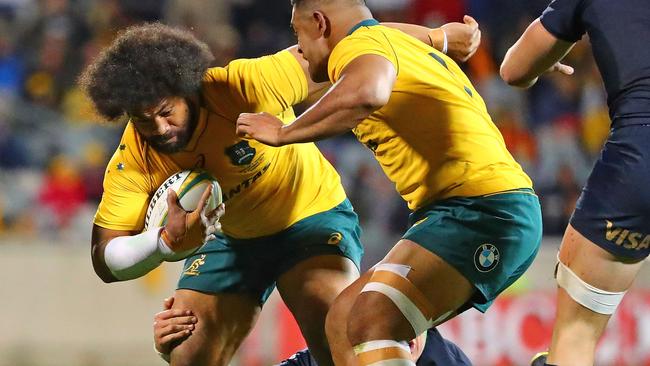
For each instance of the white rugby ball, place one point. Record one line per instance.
(189, 186)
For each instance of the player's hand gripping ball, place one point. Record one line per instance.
(188, 210)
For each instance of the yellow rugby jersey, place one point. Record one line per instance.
(266, 189)
(434, 139)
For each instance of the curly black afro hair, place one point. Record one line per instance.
(145, 64)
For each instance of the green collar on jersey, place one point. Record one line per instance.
(364, 23)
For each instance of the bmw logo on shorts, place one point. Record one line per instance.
(486, 257)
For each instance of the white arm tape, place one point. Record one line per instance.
(597, 300)
(130, 257)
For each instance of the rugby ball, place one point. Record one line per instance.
(189, 186)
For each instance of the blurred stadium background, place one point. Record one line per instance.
(53, 151)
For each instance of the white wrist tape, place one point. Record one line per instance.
(445, 43)
(595, 299)
(130, 257)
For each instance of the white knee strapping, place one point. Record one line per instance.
(384, 353)
(595, 299)
(412, 312)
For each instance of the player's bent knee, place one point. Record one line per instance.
(337, 315)
(593, 298)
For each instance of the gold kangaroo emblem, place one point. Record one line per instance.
(193, 269)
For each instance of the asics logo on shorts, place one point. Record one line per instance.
(626, 238)
(193, 269)
(335, 238)
(486, 257)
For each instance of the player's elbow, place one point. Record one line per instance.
(101, 270)
(106, 278)
(512, 76)
(103, 274)
(507, 74)
(371, 98)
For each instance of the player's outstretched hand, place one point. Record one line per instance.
(182, 224)
(171, 326)
(463, 39)
(262, 127)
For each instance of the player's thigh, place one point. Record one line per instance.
(309, 290)
(224, 320)
(375, 316)
(595, 265)
(310, 287)
(225, 287)
(320, 257)
(443, 285)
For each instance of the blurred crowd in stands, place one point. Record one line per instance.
(53, 148)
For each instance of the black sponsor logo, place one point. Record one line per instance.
(241, 153)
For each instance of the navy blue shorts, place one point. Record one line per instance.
(613, 210)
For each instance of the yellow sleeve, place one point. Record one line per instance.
(126, 192)
(356, 45)
(270, 84)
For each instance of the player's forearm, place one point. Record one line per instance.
(125, 255)
(532, 55)
(130, 257)
(518, 71)
(416, 31)
(339, 111)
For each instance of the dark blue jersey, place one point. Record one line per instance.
(441, 352)
(300, 358)
(437, 352)
(619, 32)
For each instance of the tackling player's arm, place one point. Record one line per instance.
(364, 86)
(119, 255)
(271, 84)
(536, 52)
(171, 327)
(458, 40)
